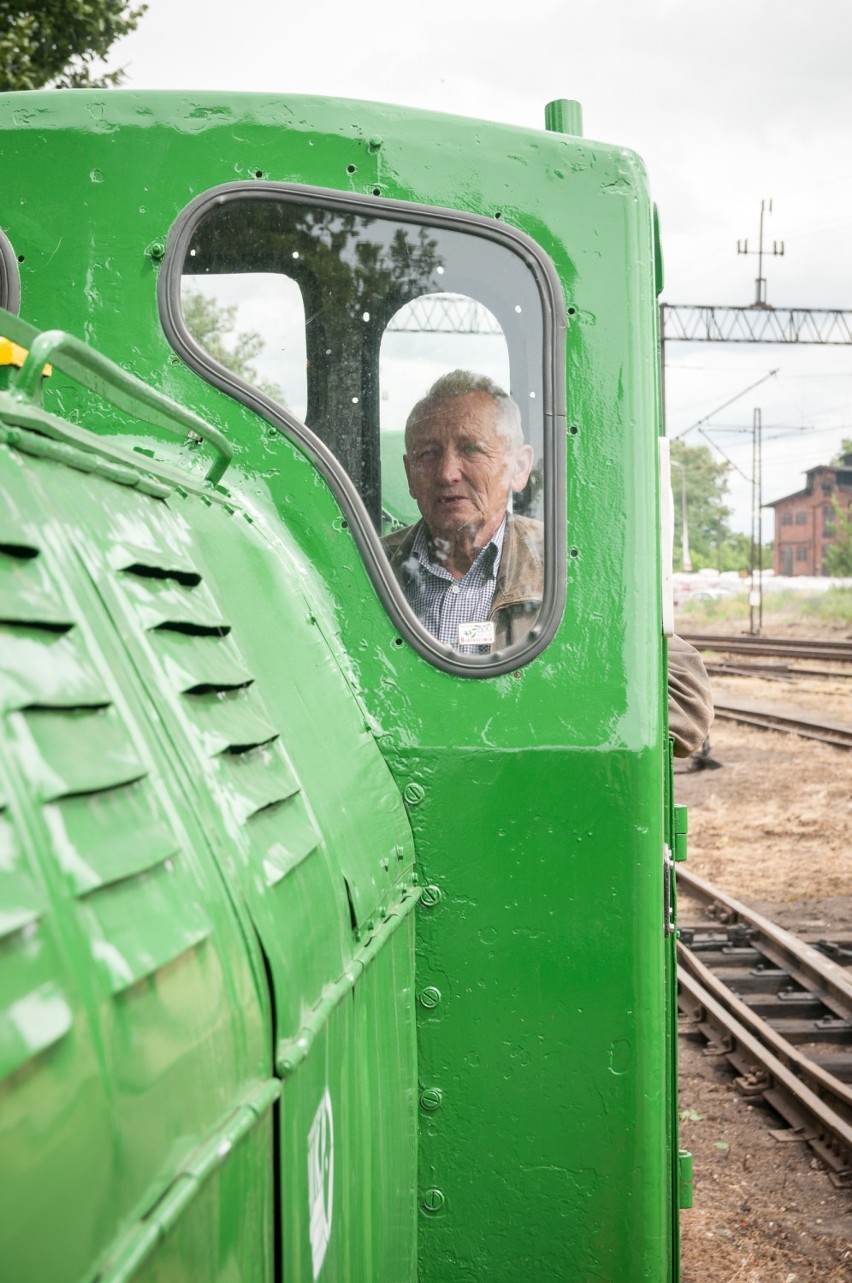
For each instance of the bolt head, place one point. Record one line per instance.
(432, 1201)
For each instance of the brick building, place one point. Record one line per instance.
(805, 521)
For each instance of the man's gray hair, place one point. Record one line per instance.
(462, 383)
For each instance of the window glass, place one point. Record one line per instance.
(828, 515)
(346, 315)
(464, 336)
(255, 328)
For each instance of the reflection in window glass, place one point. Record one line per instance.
(348, 317)
(254, 326)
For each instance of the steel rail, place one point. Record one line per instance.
(838, 734)
(807, 964)
(811, 1098)
(830, 1089)
(763, 1074)
(745, 644)
(774, 672)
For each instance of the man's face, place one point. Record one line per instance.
(461, 470)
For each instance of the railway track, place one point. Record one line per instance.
(779, 1010)
(769, 717)
(774, 672)
(745, 644)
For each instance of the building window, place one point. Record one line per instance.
(786, 518)
(828, 519)
(802, 552)
(801, 518)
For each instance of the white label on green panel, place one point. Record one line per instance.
(320, 1180)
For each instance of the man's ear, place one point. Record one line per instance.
(522, 466)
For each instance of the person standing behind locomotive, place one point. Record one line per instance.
(472, 571)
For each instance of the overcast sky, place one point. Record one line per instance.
(728, 103)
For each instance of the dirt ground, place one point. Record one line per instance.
(772, 826)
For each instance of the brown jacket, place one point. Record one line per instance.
(520, 576)
(516, 606)
(690, 698)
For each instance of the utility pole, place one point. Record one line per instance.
(777, 248)
(755, 594)
(686, 560)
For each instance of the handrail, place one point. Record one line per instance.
(107, 380)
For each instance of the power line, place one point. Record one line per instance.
(727, 459)
(724, 405)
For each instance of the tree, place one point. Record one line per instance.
(839, 459)
(838, 558)
(211, 324)
(707, 514)
(54, 43)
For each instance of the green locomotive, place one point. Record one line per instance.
(331, 948)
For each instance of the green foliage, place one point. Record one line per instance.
(845, 449)
(707, 513)
(211, 324)
(779, 609)
(838, 558)
(832, 607)
(54, 42)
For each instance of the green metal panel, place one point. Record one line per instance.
(135, 1025)
(540, 1031)
(537, 798)
(328, 891)
(360, 1055)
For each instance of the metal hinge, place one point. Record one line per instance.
(668, 891)
(684, 1179)
(681, 828)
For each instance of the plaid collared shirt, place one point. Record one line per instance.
(443, 603)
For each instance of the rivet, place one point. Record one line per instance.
(432, 1201)
(430, 897)
(414, 793)
(430, 997)
(155, 250)
(431, 1098)
(375, 143)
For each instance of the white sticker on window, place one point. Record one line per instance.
(478, 634)
(320, 1180)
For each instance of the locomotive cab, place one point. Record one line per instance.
(336, 952)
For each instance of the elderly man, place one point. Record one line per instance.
(471, 570)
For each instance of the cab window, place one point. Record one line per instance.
(344, 313)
